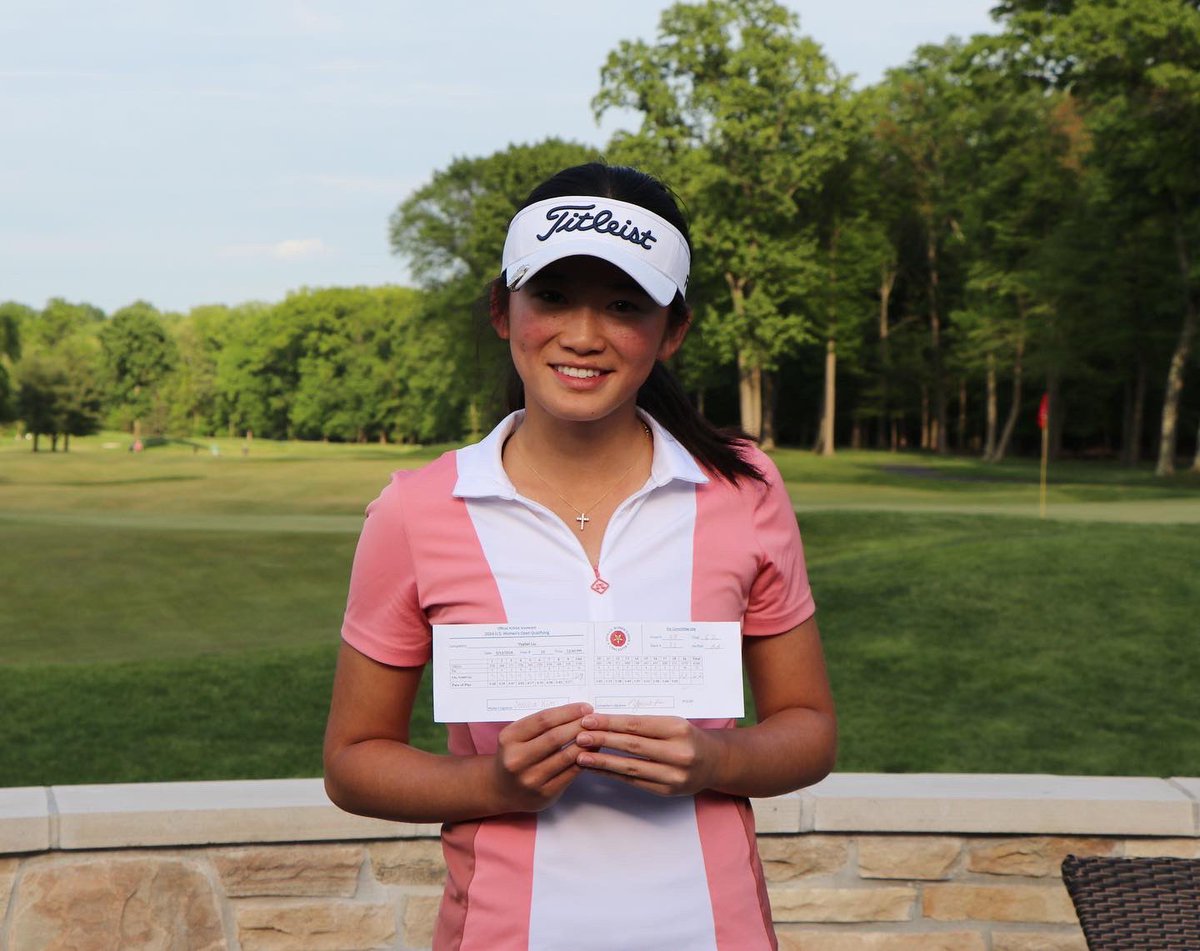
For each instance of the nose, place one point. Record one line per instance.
(581, 330)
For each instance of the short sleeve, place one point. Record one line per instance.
(384, 618)
(780, 596)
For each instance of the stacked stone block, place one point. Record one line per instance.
(362, 885)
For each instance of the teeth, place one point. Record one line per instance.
(576, 372)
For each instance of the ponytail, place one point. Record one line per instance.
(718, 450)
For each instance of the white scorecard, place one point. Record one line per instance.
(500, 672)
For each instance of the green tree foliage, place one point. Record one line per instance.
(139, 355)
(345, 364)
(1135, 66)
(360, 366)
(12, 317)
(59, 393)
(60, 320)
(745, 117)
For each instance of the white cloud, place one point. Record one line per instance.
(287, 250)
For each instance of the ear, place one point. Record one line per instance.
(677, 330)
(498, 308)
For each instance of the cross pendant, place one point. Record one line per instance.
(582, 520)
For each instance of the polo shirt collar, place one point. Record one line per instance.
(481, 472)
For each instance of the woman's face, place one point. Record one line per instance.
(584, 337)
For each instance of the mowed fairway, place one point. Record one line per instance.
(174, 614)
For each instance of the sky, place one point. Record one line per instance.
(189, 153)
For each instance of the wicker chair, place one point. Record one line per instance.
(1136, 904)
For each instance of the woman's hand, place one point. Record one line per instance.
(667, 756)
(535, 759)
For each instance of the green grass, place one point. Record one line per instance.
(174, 615)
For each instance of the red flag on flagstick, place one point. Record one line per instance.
(1044, 411)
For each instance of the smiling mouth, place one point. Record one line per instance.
(578, 373)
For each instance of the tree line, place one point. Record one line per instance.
(910, 264)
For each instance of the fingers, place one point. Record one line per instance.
(535, 757)
(664, 739)
(652, 726)
(538, 723)
(663, 755)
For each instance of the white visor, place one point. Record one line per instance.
(646, 247)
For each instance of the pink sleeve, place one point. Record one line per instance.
(780, 597)
(384, 619)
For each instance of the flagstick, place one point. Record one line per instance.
(1045, 454)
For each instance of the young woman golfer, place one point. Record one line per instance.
(603, 496)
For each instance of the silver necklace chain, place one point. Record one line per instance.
(582, 517)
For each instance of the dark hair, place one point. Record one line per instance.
(662, 396)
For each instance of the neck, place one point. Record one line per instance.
(582, 451)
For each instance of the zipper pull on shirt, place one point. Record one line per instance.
(599, 585)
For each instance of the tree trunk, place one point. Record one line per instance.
(750, 395)
(699, 398)
(989, 444)
(887, 281)
(1135, 413)
(1179, 360)
(938, 442)
(66, 442)
(768, 410)
(1015, 410)
(825, 440)
(35, 441)
(961, 435)
(1058, 414)
(926, 443)
(1196, 459)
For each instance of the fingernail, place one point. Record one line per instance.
(585, 760)
(588, 723)
(583, 739)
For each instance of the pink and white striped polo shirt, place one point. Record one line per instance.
(453, 543)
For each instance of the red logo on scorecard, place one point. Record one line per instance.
(618, 638)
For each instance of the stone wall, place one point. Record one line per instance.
(856, 863)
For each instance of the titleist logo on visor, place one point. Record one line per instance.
(567, 218)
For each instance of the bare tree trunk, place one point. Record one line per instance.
(962, 414)
(1015, 409)
(750, 395)
(938, 441)
(66, 442)
(35, 440)
(1179, 360)
(768, 409)
(1135, 413)
(887, 281)
(895, 434)
(925, 426)
(989, 443)
(825, 440)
